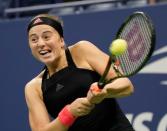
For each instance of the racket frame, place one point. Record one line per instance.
(112, 59)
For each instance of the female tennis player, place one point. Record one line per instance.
(57, 97)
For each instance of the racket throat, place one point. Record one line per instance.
(103, 80)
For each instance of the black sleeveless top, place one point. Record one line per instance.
(70, 83)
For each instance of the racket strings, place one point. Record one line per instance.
(138, 35)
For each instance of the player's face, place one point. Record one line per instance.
(45, 43)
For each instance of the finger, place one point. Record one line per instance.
(84, 113)
(83, 110)
(87, 103)
(95, 89)
(89, 95)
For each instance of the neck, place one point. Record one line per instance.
(59, 64)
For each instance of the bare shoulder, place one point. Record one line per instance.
(83, 46)
(87, 55)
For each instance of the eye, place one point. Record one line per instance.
(34, 40)
(46, 37)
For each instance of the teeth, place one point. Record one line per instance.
(43, 52)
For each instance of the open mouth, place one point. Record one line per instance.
(44, 52)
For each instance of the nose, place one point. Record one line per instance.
(41, 43)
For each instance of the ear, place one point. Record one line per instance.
(62, 42)
(61, 39)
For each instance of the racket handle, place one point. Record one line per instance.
(101, 85)
(102, 80)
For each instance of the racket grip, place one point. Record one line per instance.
(101, 85)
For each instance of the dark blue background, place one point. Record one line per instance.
(18, 66)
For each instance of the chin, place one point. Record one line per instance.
(48, 61)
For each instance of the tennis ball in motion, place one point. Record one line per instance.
(118, 47)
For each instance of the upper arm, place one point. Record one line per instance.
(95, 57)
(38, 115)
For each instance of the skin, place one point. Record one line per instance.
(48, 47)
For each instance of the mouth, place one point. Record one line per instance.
(44, 52)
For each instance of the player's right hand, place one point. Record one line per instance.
(80, 107)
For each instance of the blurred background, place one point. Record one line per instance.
(93, 20)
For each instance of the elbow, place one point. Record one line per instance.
(126, 92)
(39, 129)
(130, 89)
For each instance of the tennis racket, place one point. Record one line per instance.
(139, 33)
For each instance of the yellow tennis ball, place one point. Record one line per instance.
(118, 47)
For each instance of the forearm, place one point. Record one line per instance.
(64, 120)
(119, 88)
(55, 125)
(68, 115)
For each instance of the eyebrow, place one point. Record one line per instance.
(32, 35)
(42, 33)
